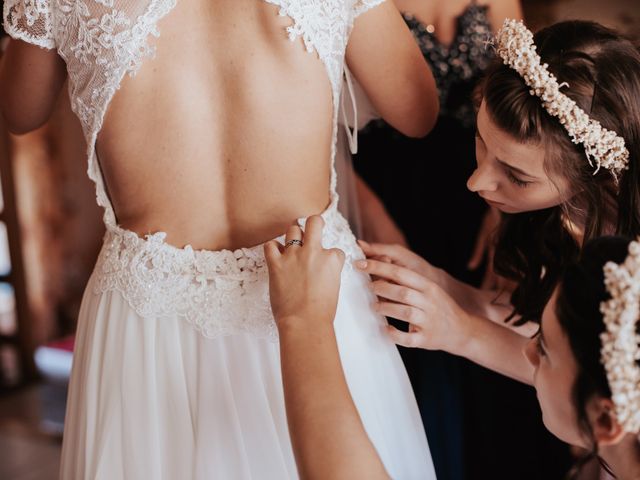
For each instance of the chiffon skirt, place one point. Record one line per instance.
(152, 398)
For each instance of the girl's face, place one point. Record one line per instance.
(555, 374)
(510, 175)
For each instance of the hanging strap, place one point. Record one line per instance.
(352, 135)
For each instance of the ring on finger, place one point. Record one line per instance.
(295, 241)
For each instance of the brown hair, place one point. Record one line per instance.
(580, 293)
(602, 69)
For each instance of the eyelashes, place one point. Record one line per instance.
(515, 180)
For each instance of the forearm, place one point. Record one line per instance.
(497, 348)
(328, 437)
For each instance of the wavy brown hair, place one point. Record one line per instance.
(602, 69)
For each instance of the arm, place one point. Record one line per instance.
(437, 322)
(501, 9)
(327, 434)
(388, 64)
(328, 438)
(30, 81)
(377, 224)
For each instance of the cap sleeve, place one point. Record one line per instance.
(361, 6)
(29, 20)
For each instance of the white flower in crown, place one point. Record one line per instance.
(604, 147)
(620, 342)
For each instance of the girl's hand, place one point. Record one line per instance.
(436, 321)
(304, 278)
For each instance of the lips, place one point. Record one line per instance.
(492, 202)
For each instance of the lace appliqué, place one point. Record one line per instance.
(219, 293)
(29, 20)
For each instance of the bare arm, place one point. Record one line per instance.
(377, 224)
(499, 10)
(388, 64)
(328, 437)
(30, 81)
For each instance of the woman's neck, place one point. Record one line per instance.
(624, 457)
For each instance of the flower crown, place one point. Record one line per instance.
(604, 147)
(620, 342)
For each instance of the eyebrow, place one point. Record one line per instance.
(505, 164)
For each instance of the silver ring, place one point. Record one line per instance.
(293, 242)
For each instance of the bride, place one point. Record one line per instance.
(200, 156)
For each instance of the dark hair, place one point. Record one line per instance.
(603, 72)
(580, 292)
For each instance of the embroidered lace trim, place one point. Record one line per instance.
(29, 20)
(218, 292)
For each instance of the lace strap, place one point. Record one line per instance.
(30, 21)
(362, 6)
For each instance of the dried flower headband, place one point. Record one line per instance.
(620, 342)
(514, 44)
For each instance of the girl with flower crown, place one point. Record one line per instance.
(558, 147)
(558, 152)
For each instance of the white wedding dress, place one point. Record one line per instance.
(176, 370)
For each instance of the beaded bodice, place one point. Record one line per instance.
(457, 67)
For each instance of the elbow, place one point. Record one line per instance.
(18, 122)
(420, 119)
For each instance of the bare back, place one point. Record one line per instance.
(224, 138)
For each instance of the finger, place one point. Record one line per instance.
(294, 232)
(272, 251)
(397, 293)
(404, 339)
(395, 273)
(377, 249)
(406, 313)
(339, 254)
(391, 253)
(313, 231)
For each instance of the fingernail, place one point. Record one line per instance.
(362, 264)
(362, 243)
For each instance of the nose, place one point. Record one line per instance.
(531, 353)
(483, 179)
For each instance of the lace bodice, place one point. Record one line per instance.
(101, 41)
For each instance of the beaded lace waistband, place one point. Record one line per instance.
(219, 292)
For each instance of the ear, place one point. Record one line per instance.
(606, 428)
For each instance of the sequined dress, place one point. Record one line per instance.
(176, 370)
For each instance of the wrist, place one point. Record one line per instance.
(440, 277)
(300, 325)
(466, 335)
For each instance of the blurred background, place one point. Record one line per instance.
(50, 235)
